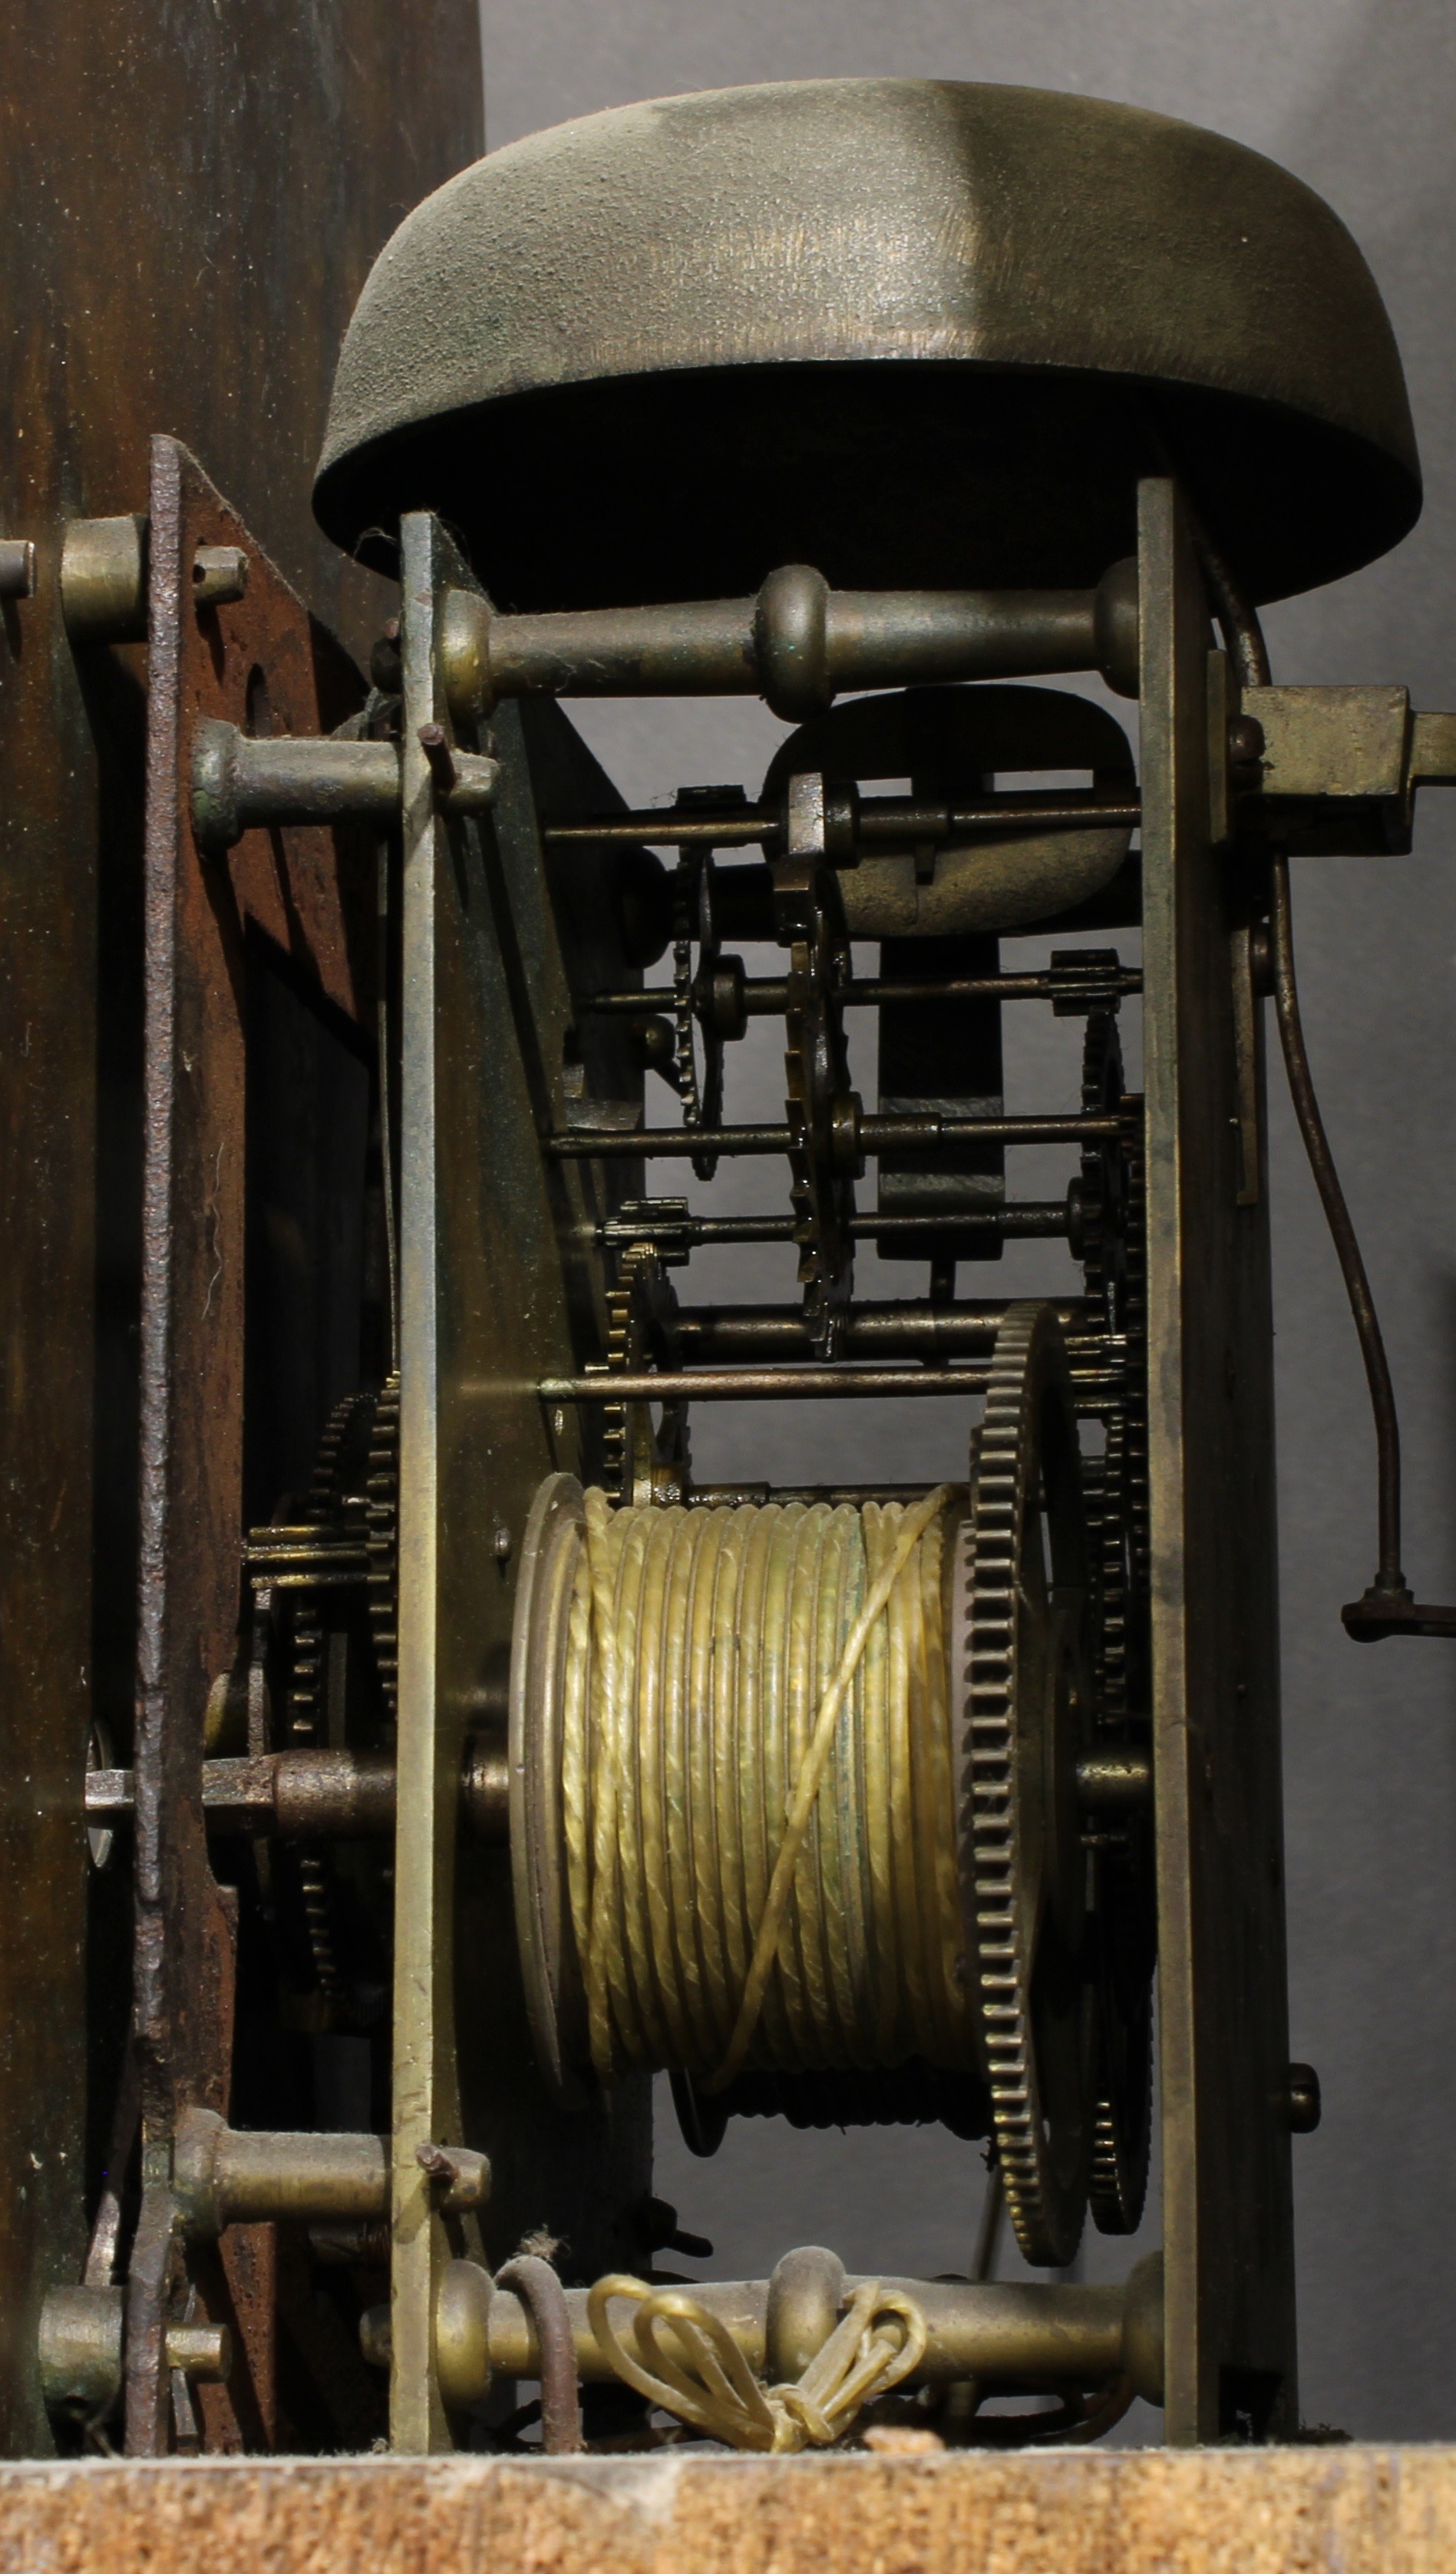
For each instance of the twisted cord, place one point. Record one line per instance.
(686, 2361)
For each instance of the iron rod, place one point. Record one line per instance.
(1031, 1220)
(717, 1496)
(892, 818)
(750, 1384)
(884, 822)
(764, 996)
(876, 1135)
(698, 1232)
(1095, 1385)
(874, 990)
(537, 2286)
(901, 1329)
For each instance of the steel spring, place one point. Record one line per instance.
(704, 1649)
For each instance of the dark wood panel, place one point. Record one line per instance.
(190, 200)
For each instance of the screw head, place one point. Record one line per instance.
(502, 1543)
(1246, 747)
(1306, 2105)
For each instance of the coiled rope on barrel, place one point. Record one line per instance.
(758, 1789)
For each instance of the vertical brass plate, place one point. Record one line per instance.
(499, 1285)
(1224, 2045)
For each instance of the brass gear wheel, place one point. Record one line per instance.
(1114, 1260)
(1126, 1916)
(1125, 1889)
(823, 1113)
(1114, 1266)
(330, 1506)
(382, 1537)
(642, 1462)
(1120, 1597)
(1104, 1179)
(1021, 1611)
(339, 1509)
(325, 1511)
(1134, 1390)
(692, 920)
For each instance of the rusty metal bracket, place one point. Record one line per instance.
(255, 660)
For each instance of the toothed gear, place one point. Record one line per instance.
(642, 1462)
(316, 1610)
(693, 918)
(1134, 1398)
(816, 1070)
(1022, 1619)
(1126, 1910)
(1114, 1269)
(333, 1505)
(1122, 2114)
(1104, 1173)
(1110, 1529)
(1116, 1482)
(382, 1537)
(1126, 1895)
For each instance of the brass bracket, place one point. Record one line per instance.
(1339, 767)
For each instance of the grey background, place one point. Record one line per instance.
(1358, 97)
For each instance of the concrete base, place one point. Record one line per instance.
(1271, 2511)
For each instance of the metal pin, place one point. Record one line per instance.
(436, 750)
(219, 576)
(17, 567)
